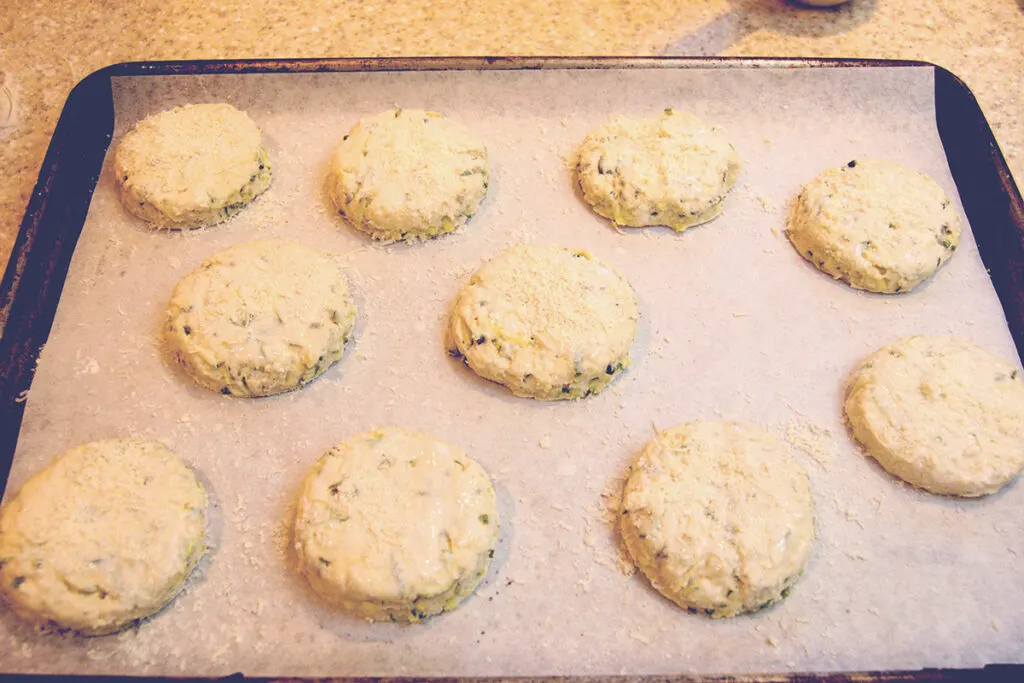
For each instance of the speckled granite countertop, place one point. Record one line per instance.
(47, 47)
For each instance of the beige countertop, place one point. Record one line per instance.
(47, 47)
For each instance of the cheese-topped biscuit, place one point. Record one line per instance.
(102, 537)
(719, 516)
(671, 169)
(191, 166)
(940, 413)
(545, 321)
(876, 225)
(408, 174)
(260, 318)
(394, 524)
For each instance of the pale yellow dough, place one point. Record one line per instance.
(876, 225)
(191, 166)
(671, 169)
(395, 525)
(940, 413)
(545, 321)
(260, 318)
(408, 174)
(719, 516)
(104, 536)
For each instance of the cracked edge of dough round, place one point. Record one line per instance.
(563, 344)
(260, 318)
(939, 413)
(670, 170)
(408, 174)
(719, 517)
(875, 224)
(395, 525)
(102, 537)
(191, 166)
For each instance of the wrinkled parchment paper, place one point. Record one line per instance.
(735, 325)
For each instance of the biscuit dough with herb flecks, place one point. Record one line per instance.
(260, 318)
(191, 166)
(408, 174)
(393, 524)
(719, 516)
(876, 225)
(102, 537)
(546, 321)
(940, 413)
(671, 169)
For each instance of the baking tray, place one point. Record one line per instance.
(39, 263)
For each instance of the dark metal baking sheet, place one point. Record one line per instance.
(35, 276)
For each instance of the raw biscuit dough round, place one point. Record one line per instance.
(719, 516)
(102, 537)
(191, 166)
(393, 524)
(940, 413)
(408, 174)
(875, 224)
(671, 169)
(260, 318)
(546, 321)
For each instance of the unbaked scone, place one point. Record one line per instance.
(260, 318)
(545, 321)
(408, 174)
(719, 516)
(102, 537)
(875, 224)
(940, 413)
(671, 169)
(393, 524)
(191, 166)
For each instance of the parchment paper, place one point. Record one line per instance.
(735, 325)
